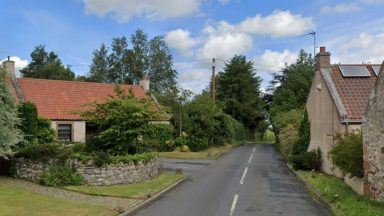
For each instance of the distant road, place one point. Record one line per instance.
(250, 180)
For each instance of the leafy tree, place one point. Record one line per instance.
(238, 88)
(36, 130)
(119, 71)
(293, 85)
(46, 65)
(119, 122)
(175, 100)
(139, 55)
(10, 135)
(99, 67)
(162, 75)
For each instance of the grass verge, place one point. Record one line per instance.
(136, 191)
(342, 199)
(16, 201)
(210, 153)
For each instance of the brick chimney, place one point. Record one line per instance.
(9, 67)
(145, 82)
(323, 59)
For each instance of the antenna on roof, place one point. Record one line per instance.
(313, 34)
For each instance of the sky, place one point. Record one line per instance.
(269, 32)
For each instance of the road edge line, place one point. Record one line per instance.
(140, 205)
(316, 194)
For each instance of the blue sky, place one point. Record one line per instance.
(268, 32)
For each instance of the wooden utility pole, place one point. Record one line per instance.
(213, 81)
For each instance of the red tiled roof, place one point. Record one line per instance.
(60, 100)
(354, 92)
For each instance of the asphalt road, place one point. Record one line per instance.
(250, 180)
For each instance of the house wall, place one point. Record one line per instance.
(78, 129)
(325, 123)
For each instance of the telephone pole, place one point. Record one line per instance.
(213, 82)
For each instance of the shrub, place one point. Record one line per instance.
(36, 129)
(78, 147)
(269, 136)
(197, 143)
(185, 148)
(160, 136)
(181, 141)
(45, 152)
(101, 158)
(307, 161)
(61, 175)
(304, 133)
(288, 137)
(348, 154)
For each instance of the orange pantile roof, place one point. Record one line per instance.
(353, 92)
(60, 100)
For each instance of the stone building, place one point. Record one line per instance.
(373, 133)
(60, 101)
(336, 103)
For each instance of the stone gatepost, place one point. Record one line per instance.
(373, 147)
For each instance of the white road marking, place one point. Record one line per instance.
(243, 176)
(233, 207)
(249, 161)
(254, 149)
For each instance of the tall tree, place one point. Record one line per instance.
(238, 88)
(139, 59)
(118, 61)
(99, 67)
(293, 84)
(46, 65)
(10, 135)
(162, 75)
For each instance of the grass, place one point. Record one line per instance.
(210, 153)
(137, 191)
(16, 201)
(343, 200)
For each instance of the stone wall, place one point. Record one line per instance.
(373, 148)
(106, 175)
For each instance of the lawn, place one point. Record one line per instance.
(210, 153)
(16, 201)
(342, 198)
(138, 191)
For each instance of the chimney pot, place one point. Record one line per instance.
(9, 66)
(323, 59)
(145, 82)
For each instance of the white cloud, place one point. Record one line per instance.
(223, 1)
(223, 41)
(279, 24)
(365, 47)
(273, 60)
(340, 8)
(125, 10)
(181, 40)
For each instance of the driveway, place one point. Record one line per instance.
(249, 180)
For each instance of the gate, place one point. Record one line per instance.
(4, 167)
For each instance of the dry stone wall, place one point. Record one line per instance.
(110, 174)
(373, 148)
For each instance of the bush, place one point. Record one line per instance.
(197, 143)
(307, 161)
(348, 154)
(287, 139)
(36, 129)
(160, 137)
(61, 175)
(45, 152)
(304, 133)
(181, 141)
(102, 158)
(185, 148)
(269, 136)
